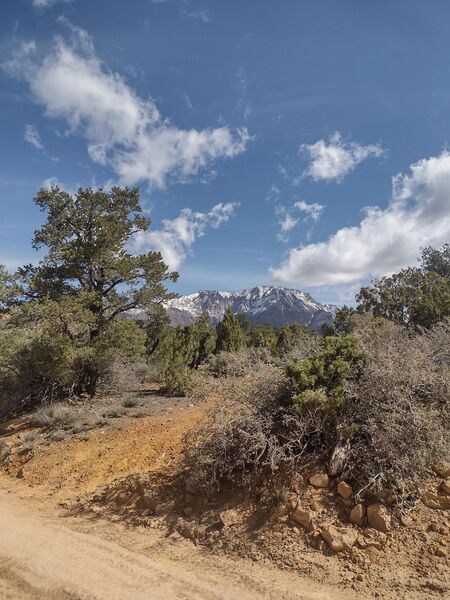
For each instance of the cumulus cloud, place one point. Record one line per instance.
(122, 129)
(386, 240)
(31, 135)
(177, 236)
(332, 160)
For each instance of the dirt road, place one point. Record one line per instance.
(47, 558)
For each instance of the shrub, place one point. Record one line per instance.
(319, 380)
(52, 415)
(239, 363)
(399, 409)
(383, 393)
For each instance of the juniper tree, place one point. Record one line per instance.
(230, 336)
(88, 236)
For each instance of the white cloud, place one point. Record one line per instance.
(313, 210)
(177, 236)
(202, 14)
(287, 219)
(243, 104)
(47, 3)
(31, 135)
(386, 240)
(122, 129)
(333, 160)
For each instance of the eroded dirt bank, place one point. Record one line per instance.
(50, 551)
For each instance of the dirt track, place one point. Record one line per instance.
(47, 558)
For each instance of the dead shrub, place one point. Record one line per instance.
(254, 434)
(51, 415)
(124, 375)
(398, 409)
(394, 419)
(240, 363)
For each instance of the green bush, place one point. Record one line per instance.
(319, 381)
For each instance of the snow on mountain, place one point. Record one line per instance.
(262, 304)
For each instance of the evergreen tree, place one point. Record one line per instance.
(87, 236)
(230, 337)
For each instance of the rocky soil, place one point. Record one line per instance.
(313, 530)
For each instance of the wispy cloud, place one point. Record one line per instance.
(122, 129)
(199, 14)
(243, 104)
(386, 240)
(332, 160)
(31, 135)
(177, 236)
(312, 210)
(48, 3)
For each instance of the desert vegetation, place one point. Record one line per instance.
(345, 403)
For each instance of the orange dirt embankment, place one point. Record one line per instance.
(79, 465)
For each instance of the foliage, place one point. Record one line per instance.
(343, 320)
(437, 260)
(398, 409)
(181, 350)
(318, 382)
(414, 297)
(238, 364)
(230, 336)
(65, 311)
(290, 337)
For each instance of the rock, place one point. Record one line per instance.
(378, 517)
(339, 538)
(230, 517)
(435, 501)
(339, 457)
(357, 514)
(344, 490)
(279, 512)
(374, 538)
(405, 520)
(442, 469)
(445, 486)
(319, 480)
(442, 552)
(303, 517)
(361, 541)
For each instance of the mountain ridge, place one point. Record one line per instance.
(272, 305)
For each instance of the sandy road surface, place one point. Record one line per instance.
(45, 558)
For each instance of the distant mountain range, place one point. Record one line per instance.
(262, 304)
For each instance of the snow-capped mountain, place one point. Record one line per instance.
(262, 304)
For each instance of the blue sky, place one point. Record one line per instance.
(300, 142)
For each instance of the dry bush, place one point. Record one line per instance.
(306, 346)
(240, 363)
(395, 416)
(51, 415)
(399, 409)
(253, 434)
(123, 375)
(29, 441)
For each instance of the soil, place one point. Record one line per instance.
(99, 516)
